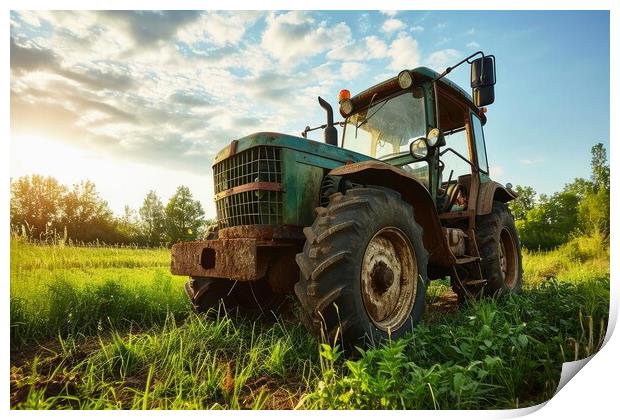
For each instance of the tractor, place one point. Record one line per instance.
(356, 227)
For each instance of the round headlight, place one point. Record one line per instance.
(404, 79)
(346, 107)
(418, 148)
(433, 137)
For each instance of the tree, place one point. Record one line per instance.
(153, 218)
(127, 226)
(600, 168)
(86, 216)
(35, 204)
(551, 222)
(184, 216)
(524, 202)
(594, 208)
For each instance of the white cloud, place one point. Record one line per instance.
(440, 26)
(390, 13)
(221, 28)
(441, 59)
(470, 31)
(374, 48)
(496, 171)
(417, 28)
(404, 53)
(350, 70)
(392, 25)
(473, 45)
(293, 36)
(533, 161)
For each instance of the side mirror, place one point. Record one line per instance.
(483, 80)
(419, 148)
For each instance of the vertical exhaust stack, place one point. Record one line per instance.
(331, 132)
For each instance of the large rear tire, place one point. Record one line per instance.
(362, 269)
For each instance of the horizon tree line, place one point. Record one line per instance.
(43, 209)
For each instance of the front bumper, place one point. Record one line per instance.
(242, 259)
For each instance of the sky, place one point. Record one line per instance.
(136, 101)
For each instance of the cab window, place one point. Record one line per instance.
(456, 140)
(481, 150)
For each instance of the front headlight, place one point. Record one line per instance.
(405, 80)
(346, 107)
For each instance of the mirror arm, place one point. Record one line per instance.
(449, 69)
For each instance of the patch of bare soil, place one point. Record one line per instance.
(445, 305)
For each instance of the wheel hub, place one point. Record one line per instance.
(389, 278)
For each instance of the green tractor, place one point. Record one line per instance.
(356, 228)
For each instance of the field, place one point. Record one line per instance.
(111, 328)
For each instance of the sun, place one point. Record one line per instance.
(37, 154)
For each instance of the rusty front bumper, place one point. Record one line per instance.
(235, 259)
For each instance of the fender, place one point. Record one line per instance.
(384, 175)
(493, 191)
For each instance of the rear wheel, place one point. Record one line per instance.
(500, 252)
(363, 268)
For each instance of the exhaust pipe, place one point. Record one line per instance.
(331, 132)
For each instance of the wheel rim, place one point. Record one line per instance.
(389, 278)
(508, 258)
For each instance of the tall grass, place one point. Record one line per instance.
(60, 290)
(122, 336)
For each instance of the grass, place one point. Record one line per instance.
(110, 328)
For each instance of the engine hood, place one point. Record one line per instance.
(287, 141)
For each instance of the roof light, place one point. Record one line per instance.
(344, 95)
(346, 107)
(405, 79)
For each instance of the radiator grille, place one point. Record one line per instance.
(250, 208)
(253, 207)
(260, 163)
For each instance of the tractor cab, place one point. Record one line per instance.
(427, 126)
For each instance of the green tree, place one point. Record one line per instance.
(551, 222)
(525, 201)
(184, 216)
(594, 208)
(35, 204)
(86, 216)
(153, 219)
(600, 168)
(128, 227)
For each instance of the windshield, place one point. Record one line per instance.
(387, 127)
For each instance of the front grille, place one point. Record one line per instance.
(258, 164)
(250, 208)
(254, 206)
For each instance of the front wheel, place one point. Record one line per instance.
(363, 268)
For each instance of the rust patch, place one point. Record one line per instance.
(221, 258)
(252, 186)
(263, 232)
(242, 259)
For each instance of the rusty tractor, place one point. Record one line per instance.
(356, 227)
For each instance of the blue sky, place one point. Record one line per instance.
(135, 101)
